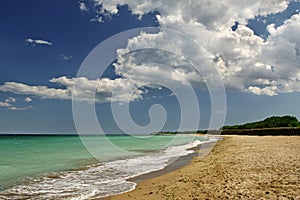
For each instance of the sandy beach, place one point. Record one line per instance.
(239, 167)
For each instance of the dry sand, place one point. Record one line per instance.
(239, 167)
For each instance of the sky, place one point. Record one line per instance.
(247, 52)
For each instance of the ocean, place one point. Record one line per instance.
(62, 167)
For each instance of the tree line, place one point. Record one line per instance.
(271, 122)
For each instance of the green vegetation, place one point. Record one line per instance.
(173, 132)
(202, 131)
(166, 133)
(286, 125)
(271, 122)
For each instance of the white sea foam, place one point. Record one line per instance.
(97, 180)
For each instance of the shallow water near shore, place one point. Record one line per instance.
(60, 167)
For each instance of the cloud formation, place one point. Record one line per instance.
(65, 57)
(7, 102)
(98, 90)
(28, 99)
(214, 15)
(4, 104)
(83, 7)
(20, 108)
(245, 61)
(10, 101)
(38, 42)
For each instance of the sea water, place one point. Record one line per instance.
(62, 167)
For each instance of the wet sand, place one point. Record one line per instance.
(239, 167)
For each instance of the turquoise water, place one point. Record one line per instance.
(22, 156)
(54, 163)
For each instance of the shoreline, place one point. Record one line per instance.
(175, 164)
(237, 167)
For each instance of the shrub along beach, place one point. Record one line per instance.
(284, 126)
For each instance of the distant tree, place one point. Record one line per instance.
(271, 122)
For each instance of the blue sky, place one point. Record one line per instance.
(41, 41)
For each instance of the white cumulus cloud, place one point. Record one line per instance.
(83, 7)
(28, 99)
(65, 57)
(20, 108)
(245, 61)
(10, 100)
(38, 42)
(212, 14)
(98, 90)
(4, 104)
(9, 103)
